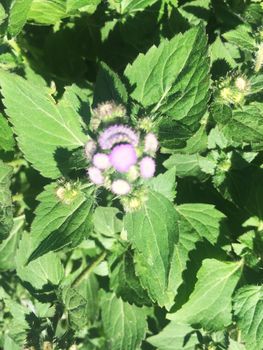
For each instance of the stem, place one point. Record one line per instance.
(87, 271)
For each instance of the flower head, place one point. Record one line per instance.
(147, 167)
(150, 143)
(101, 161)
(120, 187)
(117, 134)
(122, 157)
(95, 175)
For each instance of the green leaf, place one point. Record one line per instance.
(173, 79)
(47, 12)
(87, 6)
(153, 233)
(241, 36)
(60, 221)
(209, 306)
(7, 141)
(219, 51)
(2, 14)
(246, 126)
(234, 345)
(165, 184)
(175, 336)
(196, 222)
(109, 87)
(124, 324)
(106, 222)
(18, 16)
(9, 246)
(53, 127)
(44, 270)
(81, 302)
(6, 214)
(248, 311)
(131, 6)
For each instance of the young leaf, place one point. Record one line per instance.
(124, 324)
(153, 233)
(165, 184)
(18, 15)
(175, 336)
(43, 127)
(209, 306)
(248, 311)
(173, 79)
(108, 87)
(106, 222)
(40, 272)
(6, 214)
(60, 222)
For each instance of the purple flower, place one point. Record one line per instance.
(101, 161)
(122, 157)
(117, 134)
(150, 143)
(90, 149)
(120, 187)
(95, 175)
(147, 167)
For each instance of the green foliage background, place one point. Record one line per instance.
(185, 270)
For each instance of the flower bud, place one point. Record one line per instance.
(90, 149)
(147, 167)
(95, 175)
(122, 157)
(101, 161)
(120, 187)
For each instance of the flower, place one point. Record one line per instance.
(108, 110)
(147, 167)
(122, 157)
(117, 134)
(120, 187)
(95, 175)
(90, 148)
(101, 161)
(150, 143)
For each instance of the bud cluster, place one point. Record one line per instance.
(121, 157)
(233, 90)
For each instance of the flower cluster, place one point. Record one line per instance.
(121, 157)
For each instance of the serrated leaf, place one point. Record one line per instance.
(175, 336)
(7, 141)
(241, 36)
(248, 311)
(87, 6)
(165, 184)
(131, 6)
(196, 222)
(124, 324)
(109, 87)
(153, 233)
(219, 51)
(6, 214)
(47, 12)
(40, 272)
(173, 79)
(52, 126)
(106, 222)
(209, 306)
(60, 223)
(18, 15)
(9, 246)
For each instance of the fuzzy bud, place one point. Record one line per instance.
(122, 157)
(147, 167)
(120, 187)
(90, 149)
(109, 110)
(101, 161)
(95, 175)
(150, 143)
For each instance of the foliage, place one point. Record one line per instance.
(157, 243)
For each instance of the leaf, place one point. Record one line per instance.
(106, 222)
(60, 222)
(248, 311)
(165, 184)
(196, 222)
(246, 125)
(241, 36)
(2, 14)
(153, 233)
(109, 87)
(18, 16)
(173, 79)
(175, 336)
(209, 306)
(47, 12)
(131, 6)
(6, 214)
(219, 51)
(52, 126)
(44, 270)
(88, 6)
(124, 324)
(9, 246)
(81, 302)
(7, 141)
(234, 345)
